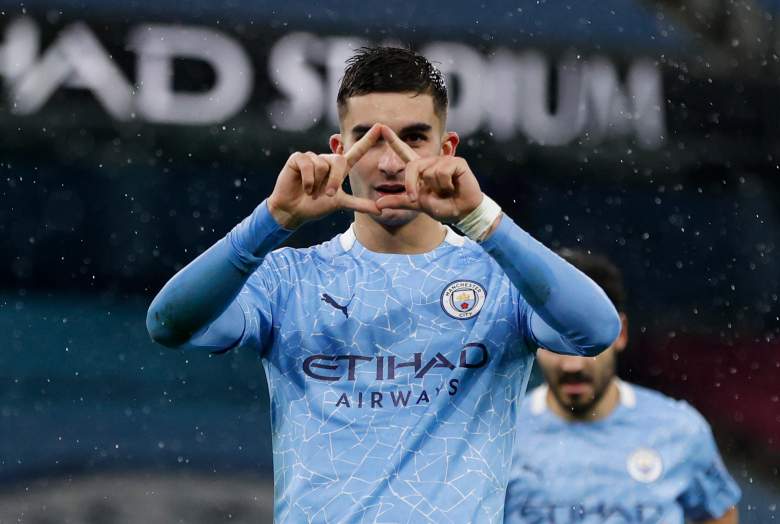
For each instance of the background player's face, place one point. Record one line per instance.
(381, 171)
(578, 383)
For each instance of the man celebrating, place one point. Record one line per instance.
(395, 352)
(593, 449)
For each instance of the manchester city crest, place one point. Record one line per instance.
(645, 465)
(463, 299)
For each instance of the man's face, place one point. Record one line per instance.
(578, 383)
(381, 171)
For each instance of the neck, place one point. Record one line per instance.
(600, 410)
(420, 235)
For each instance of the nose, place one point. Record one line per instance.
(390, 164)
(570, 364)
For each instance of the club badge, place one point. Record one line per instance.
(463, 299)
(645, 465)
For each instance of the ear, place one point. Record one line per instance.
(450, 143)
(622, 340)
(336, 144)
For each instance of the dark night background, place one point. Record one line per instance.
(97, 212)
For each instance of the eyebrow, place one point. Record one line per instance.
(419, 127)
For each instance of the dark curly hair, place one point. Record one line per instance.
(392, 70)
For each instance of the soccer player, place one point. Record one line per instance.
(593, 449)
(395, 352)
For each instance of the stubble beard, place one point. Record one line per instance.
(395, 219)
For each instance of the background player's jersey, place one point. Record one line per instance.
(394, 380)
(653, 460)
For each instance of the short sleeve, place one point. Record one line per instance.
(711, 490)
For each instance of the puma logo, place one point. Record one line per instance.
(329, 300)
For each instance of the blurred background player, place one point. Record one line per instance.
(395, 352)
(594, 449)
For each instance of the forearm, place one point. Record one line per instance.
(577, 315)
(204, 289)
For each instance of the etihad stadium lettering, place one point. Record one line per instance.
(332, 368)
(506, 92)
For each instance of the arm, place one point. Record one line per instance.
(198, 306)
(199, 301)
(711, 494)
(570, 313)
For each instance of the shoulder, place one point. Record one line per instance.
(292, 257)
(469, 248)
(534, 403)
(467, 257)
(290, 261)
(666, 411)
(534, 423)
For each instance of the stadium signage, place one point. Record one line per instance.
(507, 93)
(77, 59)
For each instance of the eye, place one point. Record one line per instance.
(415, 138)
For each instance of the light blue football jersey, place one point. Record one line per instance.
(394, 380)
(653, 460)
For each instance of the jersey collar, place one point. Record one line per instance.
(538, 397)
(348, 239)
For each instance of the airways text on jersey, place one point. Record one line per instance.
(339, 368)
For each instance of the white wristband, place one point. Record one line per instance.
(478, 222)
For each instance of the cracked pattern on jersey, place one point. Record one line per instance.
(652, 460)
(384, 407)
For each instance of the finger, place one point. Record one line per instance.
(444, 177)
(412, 180)
(321, 169)
(362, 205)
(431, 180)
(400, 147)
(338, 170)
(412, 175)
(401, 201)
(362, 146)
(305, 167)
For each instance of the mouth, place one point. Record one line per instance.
(575, 388)
(575, 385)
(390, 189)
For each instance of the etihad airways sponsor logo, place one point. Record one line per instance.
(587, 514)
(332, 368)
(398, 398)
(335, 368)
